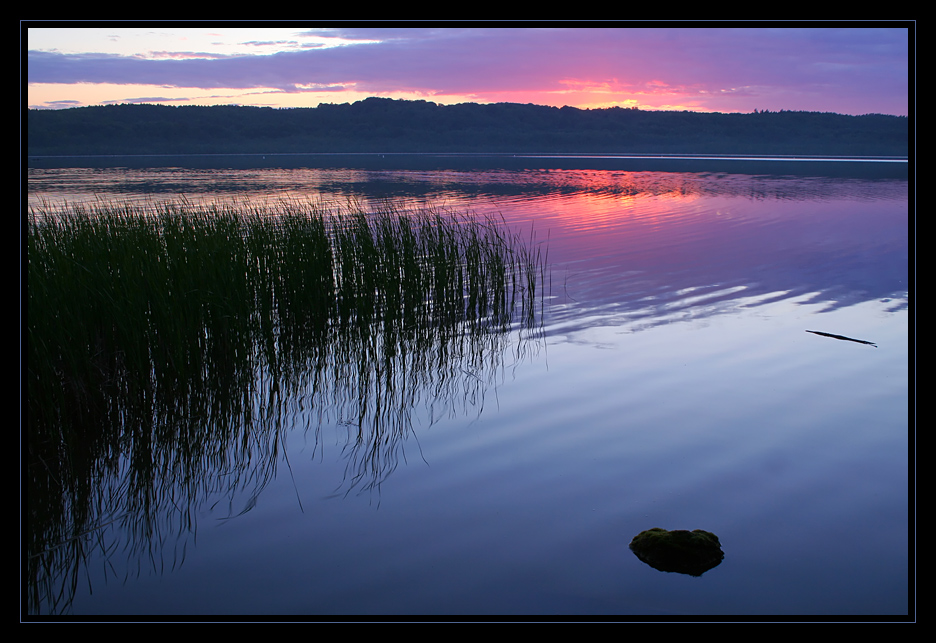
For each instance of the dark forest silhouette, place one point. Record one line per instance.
(388, 125)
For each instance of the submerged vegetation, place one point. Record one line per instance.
(169, 347)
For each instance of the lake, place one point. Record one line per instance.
(671, 382)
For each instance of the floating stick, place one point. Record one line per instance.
(849, 339)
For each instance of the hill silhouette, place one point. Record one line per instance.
(388, 125)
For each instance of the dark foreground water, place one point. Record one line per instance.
(673, 384)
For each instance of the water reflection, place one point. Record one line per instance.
(81, 183)
(133, 435)
(140, 467)
(629, 251)
(637, 244)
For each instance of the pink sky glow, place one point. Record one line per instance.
(850, 70)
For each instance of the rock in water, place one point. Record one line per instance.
(687, 552)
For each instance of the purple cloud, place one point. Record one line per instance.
(850, 70)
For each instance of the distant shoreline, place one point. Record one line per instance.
(387, 126)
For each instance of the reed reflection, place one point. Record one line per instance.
(170, 351)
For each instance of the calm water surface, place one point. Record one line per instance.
(673, 385)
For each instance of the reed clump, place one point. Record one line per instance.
(176, 291)
(167, 346)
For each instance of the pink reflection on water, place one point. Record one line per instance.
(618, 238)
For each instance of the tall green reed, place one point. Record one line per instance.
(163, 343)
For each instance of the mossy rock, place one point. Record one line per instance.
(687, 552)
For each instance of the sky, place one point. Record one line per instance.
(849, 70)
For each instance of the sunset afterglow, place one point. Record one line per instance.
(845, 70)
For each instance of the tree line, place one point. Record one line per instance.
(388, 125)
